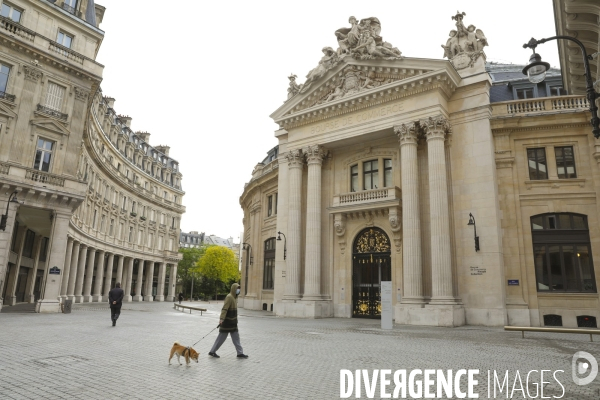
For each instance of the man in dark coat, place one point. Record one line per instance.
(180, 297)
(115, 299)
(228, 324)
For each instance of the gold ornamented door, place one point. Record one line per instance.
(371, 264)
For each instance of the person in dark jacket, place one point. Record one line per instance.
(228, 324)
(180, 297)
(115, 300)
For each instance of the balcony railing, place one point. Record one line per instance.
(15, 28)
(69, 9)
(4, 168)
(541, 105)
(51, 112)
(44, 177)
(66, 52)
(366, 196)
(9, 97)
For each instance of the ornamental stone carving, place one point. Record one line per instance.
(465, 44)
(295, 158)
(294, 87)
(32, 74)
(395, 219)
(314, 154)
(81, 94)
(407, 133)
(437, 126)
(339, 223)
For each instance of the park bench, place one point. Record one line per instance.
(524, 329)
(183, 307)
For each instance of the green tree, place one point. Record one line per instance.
(186, 269)
(218, 265)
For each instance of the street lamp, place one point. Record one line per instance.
(11, 199)
(284, 242)
(536, 72)
(247, 246)
(472, 222)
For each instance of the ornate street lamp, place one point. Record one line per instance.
(11, 199)
(284, 242)
(536, 72)
(247, 246)
(472, 222)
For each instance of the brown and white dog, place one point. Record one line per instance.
(187, 352)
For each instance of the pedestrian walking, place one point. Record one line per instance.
(180, 297)
(228, 324)
(115, 300)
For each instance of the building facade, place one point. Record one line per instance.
(95, 203)
(446, 178)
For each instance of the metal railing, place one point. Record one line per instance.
(7, 96)
(524, 329)
(51, 112)
(44, 177)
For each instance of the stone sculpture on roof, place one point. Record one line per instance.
(465, 44)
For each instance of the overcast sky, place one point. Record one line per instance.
(204, 76)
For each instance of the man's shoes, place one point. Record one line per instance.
(114, 322)
(215, 355)
(242, 356)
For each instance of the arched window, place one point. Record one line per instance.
(562, 253)
(269, 270)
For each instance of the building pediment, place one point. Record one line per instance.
(6, 111)
(50, 125)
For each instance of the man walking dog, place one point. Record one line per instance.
(115, 300)
(228, 324)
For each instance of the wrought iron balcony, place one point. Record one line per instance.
(51, 112)
(9, 97)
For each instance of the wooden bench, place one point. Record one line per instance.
(183, 307)
(524, 329)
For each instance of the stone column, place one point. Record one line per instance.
(73, 271)
(138, 283)
(97, 296)
(32, 276)
(411, 221)
(120, 277)
(78, 292)
(66, 269)
(108, 279)
(149, 281)
(295, 165)
(11, 297)
(6, 236)
(312, 259)
(128, 279)
(89, 273)
(172, 282)
(441, 258)
(160, 289)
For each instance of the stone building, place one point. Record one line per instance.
(85, 200)
(472, 190)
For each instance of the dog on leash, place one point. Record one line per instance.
(181, 351)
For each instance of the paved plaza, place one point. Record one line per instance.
(81, 356)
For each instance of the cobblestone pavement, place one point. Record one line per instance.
(81, 356)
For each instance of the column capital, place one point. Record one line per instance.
(314, 154)
(295, 158)
(407, 133)
(435, 127)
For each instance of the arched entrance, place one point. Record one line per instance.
(371, 264)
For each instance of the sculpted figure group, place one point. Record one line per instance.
(467, 42)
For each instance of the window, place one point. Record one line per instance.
(121, 231)
(133, 206)
(94, 220)
(556, 91)
(111, 227)
(43, 155)
(124, 203)
(160, 243)
(28, 246)
(269, 270)
(9, 11)
(13, 245)
(64, 39)
(44, 249)
(150, 240)
(269, 206)
(536, 159)
(370, 174)
(55, 96)
(565, 162)
(4, 73)
(526, 93)
(102, 221)
(139, 241)
(354, 178)
(130, 234)
(387, 173)
(70, 6)
(562, 253)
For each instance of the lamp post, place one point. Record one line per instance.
(472, 222)
(284, 243)
(11, 199)
(536, 72)
(247, 246)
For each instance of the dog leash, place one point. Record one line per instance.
(206, 335)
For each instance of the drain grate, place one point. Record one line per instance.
(60, 360)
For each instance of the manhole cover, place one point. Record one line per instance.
(60, 360)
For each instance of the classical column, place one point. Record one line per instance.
(411, 221)
(32, 276)
(312, 258)
(295, 165)
(436, 129)
(13, 278)
(160, 289)
(78, 292)
(138, 283)
(108, 278)
(67, 269)
(89, 274)
(172, 282)
(120, 277)
(73, 271)
(128, 278)
(149, 281)
(99, 276)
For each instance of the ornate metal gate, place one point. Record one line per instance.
(371, 265)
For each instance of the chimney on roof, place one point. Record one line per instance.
(145, 136)
(163, 149)
(126, 119)
(110, 101)
(193, 232)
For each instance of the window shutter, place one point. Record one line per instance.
(55, 96)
